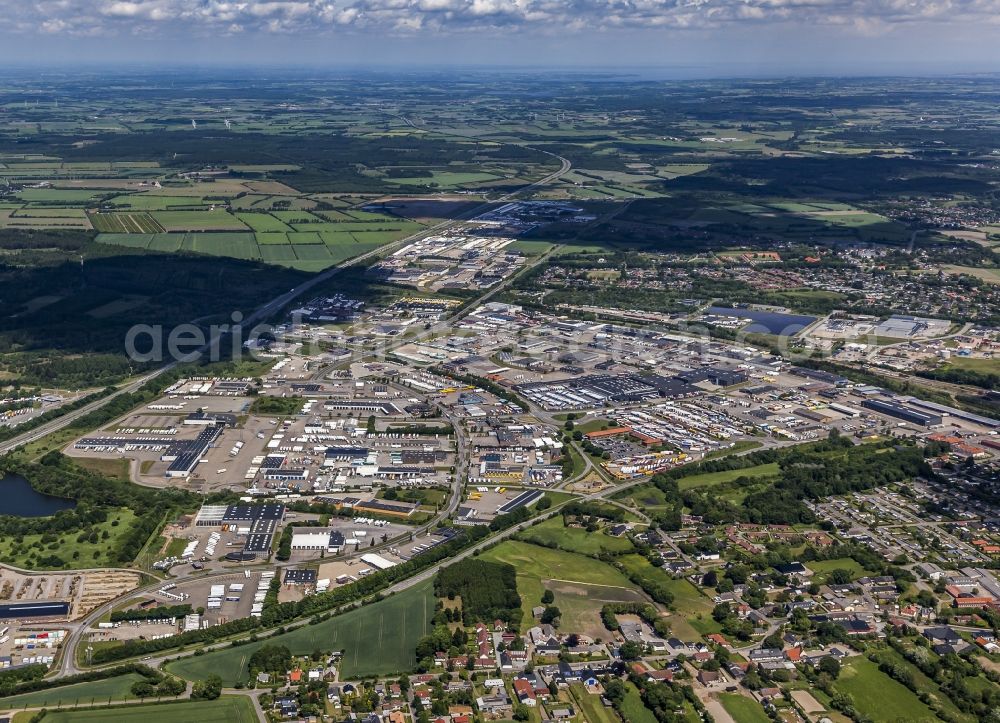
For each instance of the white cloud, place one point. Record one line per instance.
(207, 17)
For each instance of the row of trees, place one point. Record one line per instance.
(157, 613)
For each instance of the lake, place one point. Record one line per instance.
(766, 322)
(19, 499)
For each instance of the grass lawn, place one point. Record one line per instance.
(175, 547)
(714, 478)
(530, 247)
(823, 568)
(688, 603)
(227, 709)
(378, 639)
(649, 497)
(926, 684)
(574, 539)
(108, 467)
(581, 584)
(741, 446)
(983, 366)
(878, 696)
(591, 705)
(743, 709)
(593, 425)
(74, 554)
(117, 688)
(634, 709)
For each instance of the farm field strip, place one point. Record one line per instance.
(377, 639)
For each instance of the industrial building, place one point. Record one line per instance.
(257, 522)
(318, 539)
(599, 390)
(300, 577)
(718, 376)
(525, 499)
(945, 411)
(900, 411)
(185, 456)
(34, 610)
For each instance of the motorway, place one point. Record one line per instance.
(67, 662)
(270, 308)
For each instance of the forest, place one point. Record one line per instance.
(488, 590)
(820, 469)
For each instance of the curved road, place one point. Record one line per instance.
(67, 664)
(68, 661)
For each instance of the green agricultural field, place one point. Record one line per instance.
(273, 253)
(297, 217)
(217, 220)
(263, 222)
(236, 245)
(79, 694)
(369, 216)
(878, 696)
(59, 195)
(743, 709)
(124, 223)
(305, 251)
(151, 202)
(21, 219)
(581, 584)
(166, 242)
(343, 251)
(312, 252)
(574, 539)
(227, 709)
(384, 237)
(270, 239)
(92, 551)
(377, 639)
(304, 237)
(335, 216)
(130, 240)
(43, 212)
(320, 228)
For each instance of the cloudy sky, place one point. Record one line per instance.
(729, 35)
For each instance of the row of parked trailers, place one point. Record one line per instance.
(219, 594)
(263, 584)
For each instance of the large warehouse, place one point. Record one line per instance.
(318, 539)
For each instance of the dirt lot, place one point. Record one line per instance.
(809, 704)
(83, 590)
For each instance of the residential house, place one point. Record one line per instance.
(525, 692)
